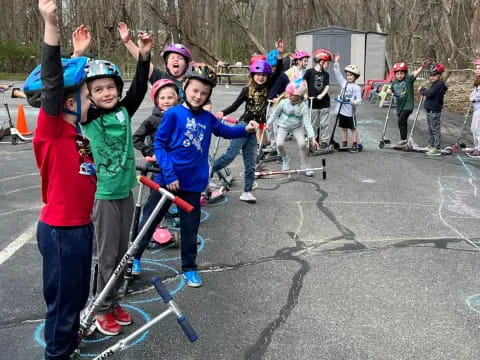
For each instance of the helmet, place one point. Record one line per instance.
(400, 66)
(436, 69)
(322, 54)
(352, 69)
(202, 72)
(477, 62)
(296, 88)
(300, 55)
(73, 77)
(260, 67)
(157, 85)
(177, 49)
(272, 57)
(98, 69)
(257, 57)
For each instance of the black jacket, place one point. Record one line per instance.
(147, 129)
(434, 96)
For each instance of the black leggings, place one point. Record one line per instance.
(402, 123)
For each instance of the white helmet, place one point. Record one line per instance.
(353, 69)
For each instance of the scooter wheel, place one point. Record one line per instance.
(463, 145)
(381, 144)
(360, 147)
(407, 148)
(176, 239)
(14, 140)
(447, 151)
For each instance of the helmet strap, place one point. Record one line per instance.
(78, 112)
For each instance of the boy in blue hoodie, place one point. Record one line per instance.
(181, 147)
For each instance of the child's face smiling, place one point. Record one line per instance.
(260, 78)
(176, 64)
(350, 77)
(166, 98)
(104, 93)
(303, 63)
(400, 75)
(197, 93)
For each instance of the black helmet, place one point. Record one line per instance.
(202, 72)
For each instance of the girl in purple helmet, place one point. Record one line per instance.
(176, 58)
(254, 95)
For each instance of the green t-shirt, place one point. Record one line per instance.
(112, 148)
(404, 90)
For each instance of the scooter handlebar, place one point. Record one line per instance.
(187, 328)
(185, 206)
(146, 168)
(162, 289)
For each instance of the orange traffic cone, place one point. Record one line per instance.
(21, 122)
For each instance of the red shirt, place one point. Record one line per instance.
(68, 195)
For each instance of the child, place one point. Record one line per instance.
(402, 89)
(65, 230)
(176, 58)
(108, 126)
(181, 147)
(350, 96)
(164, 95)
(255, 97)
(292, 115)
(433, 105)
(300, 63)
(317, 81)
(475, 99)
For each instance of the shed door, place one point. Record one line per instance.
(336, 43)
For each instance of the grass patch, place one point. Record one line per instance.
(12, 76)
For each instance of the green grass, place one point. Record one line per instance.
(12, 76)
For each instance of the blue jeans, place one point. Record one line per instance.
(67, 259)
(188, 225)
(248, 145)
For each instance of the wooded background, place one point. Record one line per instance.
(440, 30)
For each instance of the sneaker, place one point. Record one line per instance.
(286, 164)
(433, 152)
(402, 142)
(254, 186)
(193, 278)
(248, 197)
(344, 145)
(121, 316)
(279, 160)
(354, 149)
(107, 324)
(309, 173)
(136, 267)
(474, 154)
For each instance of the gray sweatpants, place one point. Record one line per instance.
(299, 134)
(320, 118)
(112, 220)
(434, 129)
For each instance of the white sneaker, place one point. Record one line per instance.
(286, 163)
(308, 172)
(402, 142)
(248, 197)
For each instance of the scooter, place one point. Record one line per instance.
(384, 141)
(288, 172)
(15, 135)
(89, 313)
(461, 146)
(173, 309)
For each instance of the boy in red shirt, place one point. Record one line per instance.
(65, 231)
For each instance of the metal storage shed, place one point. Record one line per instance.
(365, 49)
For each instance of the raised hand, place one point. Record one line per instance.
(280, 45)
(48, 9)
(337, 58)
(144, 43)
(81, 39)
(124, 32)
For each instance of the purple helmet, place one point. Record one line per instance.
(260, 66)
(177, 49)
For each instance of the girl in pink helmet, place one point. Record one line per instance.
(475, 99)
(164, 95)
(300, 63)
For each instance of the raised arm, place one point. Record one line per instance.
(424, 65)
(132, 48)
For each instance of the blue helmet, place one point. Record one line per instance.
(272, 57)
(73, 77)
(98, 69)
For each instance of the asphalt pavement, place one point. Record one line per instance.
(375, 262)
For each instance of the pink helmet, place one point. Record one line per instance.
(477, 62)
(300, 55)
(157, 85)
(257, 57)
(296, 88)
(177, 49)
(260, 67)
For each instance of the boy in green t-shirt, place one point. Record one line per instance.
(402, 89)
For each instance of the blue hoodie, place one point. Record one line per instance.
(181, 146)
